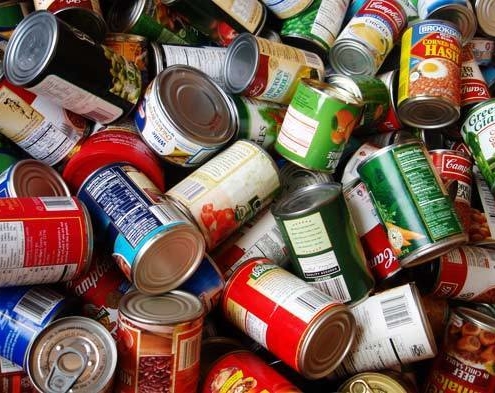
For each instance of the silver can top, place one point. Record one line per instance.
(241, 63)
(350, 57)
(485, 9)
(124, 14)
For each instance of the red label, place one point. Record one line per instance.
(391, 121)
(390, 11)
(452, 275)
(58, 5)
(23, 94)
(452, 165)
(260, 80)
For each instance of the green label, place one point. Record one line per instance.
(150, 28)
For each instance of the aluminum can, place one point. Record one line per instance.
(228, 190)
(324, 246)
(16, 383)
(31, 178)
(350, 174)
(474, 88)
(465, 362)
(373, 382)
(262, 299)
(73, 354)
(25, 311)
(390, 122)
(483, 49)
(422, 224)
(366, 40)
(484, 11)
(11, 13)
(50, 239)
(429, 79)
(155, 245)
(259, 68)
(293, 177)
(287, 8)
(104, 90)
(159, 342)
(320, 110)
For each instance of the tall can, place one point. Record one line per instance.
(324, 246)
(263, 299)
(412, 202)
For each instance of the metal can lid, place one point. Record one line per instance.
(241, 63)
(196, 106)
(428, 112)
(156, 59)
(75, 354)
(124, 14)
(350, 57)
(485, 10)
(478, 318)
(30, 48)
(171, 308)
(373, 382)
(461, 15)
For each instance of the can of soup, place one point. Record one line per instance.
(474, 88)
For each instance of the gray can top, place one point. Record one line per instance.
(241, 63)
(124, 14)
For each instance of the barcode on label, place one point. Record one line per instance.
(189, 189)
(396, 312)
(312, 300)
(58, 203)
(189, 352)
(335, 287)
(37, 303)
(100, 116)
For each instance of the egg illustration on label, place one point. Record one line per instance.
(432, 68)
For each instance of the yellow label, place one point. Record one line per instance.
(403, 90)
(248, 13)
(308, 235)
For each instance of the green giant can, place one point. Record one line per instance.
(324, 247)
(412, 202)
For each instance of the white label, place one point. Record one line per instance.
(308, 234)
(329, 18)
(12, 249)
(335, 287)
(363, 212)
(6, 366)
(253, 326)
(37, 303)
(36, 275)
(297, 132)
(58, 203)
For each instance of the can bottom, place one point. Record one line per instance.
(428, 112)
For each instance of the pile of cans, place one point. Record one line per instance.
(247, 196)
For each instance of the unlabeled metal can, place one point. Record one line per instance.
(263, 299)
(429, 79)
(474, 88)
(412, 202)
(284, 9)
(159, 342)
(47, 240)
(372, 382)
(73, 354)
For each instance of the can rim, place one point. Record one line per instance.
(244, 45)
(477, 317)
(379, 380)
(122, 20)
(367, 61)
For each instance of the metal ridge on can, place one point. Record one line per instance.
(484, 14)
(374, 382)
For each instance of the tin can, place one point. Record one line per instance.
(287, 8)
(483, 49)
(102, 90)
(262, 299)
(84, 15)
(474, 88)
(16, 383)
(159, 342)
(294, 177)
(390, 121)
(350, 173)
(228, 190)
(259, 68)
(437, 311)
(73, 354)
(365, 41)
(155, 245)
(422, 224)
(11, 13)
(50, 239)
(466, 360)
(372, 382)
(106, 147)
(185, 117)
(25, 311)
(410, 6)
(317, 125)
(484, 9)
(429, 79)
(31, 178)
(482, 229)
(324, 246)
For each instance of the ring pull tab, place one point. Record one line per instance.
(67, 368)
(360, 386)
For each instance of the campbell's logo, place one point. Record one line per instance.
(456, 165)
(389, 9)
(91, 279)
(386, 257)
(260, 269)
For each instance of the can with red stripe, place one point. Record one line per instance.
(16, 383)
(263, 300)
(391, 121)
(474, 88)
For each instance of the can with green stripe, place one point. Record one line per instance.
(317, 125)
(412, 202)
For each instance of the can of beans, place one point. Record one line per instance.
(50, 239)
(102, 90)
(474, 88)
(365, 41)
(227, 191)
(159, 342)
(422, 224)
(263, 299)
(73, 354)
(324, 246)
(429, 80)
(31, 178)
(373, 382)
(327, 115)
(293, 177)
(11, 13)
(467, 358)
(155, 244)
(390, 122)
(259, 68)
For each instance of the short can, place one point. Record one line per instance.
(324, 246)
(466, 360)
(227, 191)
(390, 121)
(50, 239)
(259, 68)
(317, 125)
(365, 41)
(422, 224)
(484, 10)
(429, 79)
(74, 354)
(262, 299)
(293, 177)
(284, 9)
(185, 117)
(159, 342)
(474, 88)
(373, 382)
(105, 91)
(155, 244)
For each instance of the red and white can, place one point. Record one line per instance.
(351, 174)
(474, 88)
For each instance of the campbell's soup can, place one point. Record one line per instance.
(474, 88)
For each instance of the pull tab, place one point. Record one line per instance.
(66, 369)
(360, 386)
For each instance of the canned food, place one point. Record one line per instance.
(390, 122)
(159, 342)
(429, 80)
(11, 13)
(9, 368)
(324, 246)
(228, 190)
(73, 354)
(155, 245)
(483, 49)
(284, 9)
(484, 9)
(16, 383)
(422, 224)
(263, 299)
(351, 174)
(259, 68)
(294, 177)
(103, 92)
(437, 311)
(372, 382)
(474, 89)
(47, 240)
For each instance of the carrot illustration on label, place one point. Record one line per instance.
(400, 237)
(407, 234)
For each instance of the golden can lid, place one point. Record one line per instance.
(372, 382)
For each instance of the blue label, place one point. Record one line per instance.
(140, 115)
(5, 178)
